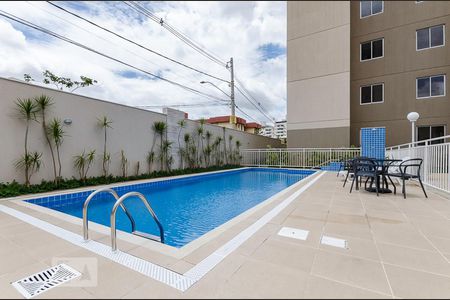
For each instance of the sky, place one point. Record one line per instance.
(253, 33)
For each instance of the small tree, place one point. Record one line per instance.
(83, 162)
(43, 102)
(138, 165)
(168, 159)
(150, 159)
(160, 129)
(230, 149)
(62, 82)
(238, 152)
(56, 133)
(123, 163)
(199, 141)
(30, 163)
(105, 123)
(181, 125)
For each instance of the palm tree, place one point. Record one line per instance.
(82, 163)
(160, 129)
(187, 140)
(123, 163)
(167, 158)
(43, 102)
(224, 146)
(208, 150)
(26, 110)
(150, 159)
(238, 153)
(56, 132)
(181, 125)
(105, 123)
(200, 140)
(230, 138)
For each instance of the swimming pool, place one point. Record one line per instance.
(187, 207)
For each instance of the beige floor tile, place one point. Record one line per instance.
(180, 266)
(362, 248)
(152, 256)
(213, 282)
(264, 280)
(16, 258)
(441, 244)
(321, 288)
(430, 261)
(408, 283)
(116, 281)
(351, 270)
(286, 254)
(249, 246)
(400, 234)
(361, 231)
(153, 290)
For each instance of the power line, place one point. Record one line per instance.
(135, 43)
(48, 32)
(256, 106)
(144, 11)
(182, 105)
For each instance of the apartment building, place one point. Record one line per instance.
(278, 131)
(361, 64)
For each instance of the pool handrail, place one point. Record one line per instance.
(113, 217)
(85, 210)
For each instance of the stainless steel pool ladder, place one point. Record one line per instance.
(113, 216)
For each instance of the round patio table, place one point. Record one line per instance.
(383, 166)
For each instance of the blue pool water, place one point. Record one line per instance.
(187, 207)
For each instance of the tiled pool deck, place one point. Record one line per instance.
(397, 248)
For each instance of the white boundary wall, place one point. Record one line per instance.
(131, 132)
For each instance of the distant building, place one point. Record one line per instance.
(241, 124)
(279, 131)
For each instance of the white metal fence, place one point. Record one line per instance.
(436, 160)
(296, 157)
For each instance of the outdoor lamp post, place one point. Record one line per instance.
(413, 117)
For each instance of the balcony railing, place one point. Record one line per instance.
(296, 157)
(436, 160)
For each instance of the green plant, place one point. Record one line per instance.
(105, 123)
(138, 165)
(26, 110)
(238, 156)
(150, 159)
(31, 162)
(43, 102)
(83, 162)
(56, 132)
(181, 125)
(123, 163)
(168, 159)
(199, 144)
(160, 129)
(14, 188)
(230, 149)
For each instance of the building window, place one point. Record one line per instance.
(430, 86)
(370, 8)
(430, 37)
(373, 93)
(372, 49)
(430, 132)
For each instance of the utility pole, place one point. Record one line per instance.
(233, 113)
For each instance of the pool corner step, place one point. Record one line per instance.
(147, 236)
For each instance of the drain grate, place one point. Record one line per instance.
(43, 281)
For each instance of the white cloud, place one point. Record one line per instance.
(226, 29)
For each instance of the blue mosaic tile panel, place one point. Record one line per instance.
(373, 142)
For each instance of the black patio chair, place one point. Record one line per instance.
(368, 168)
(408, 169)
(348, 166)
